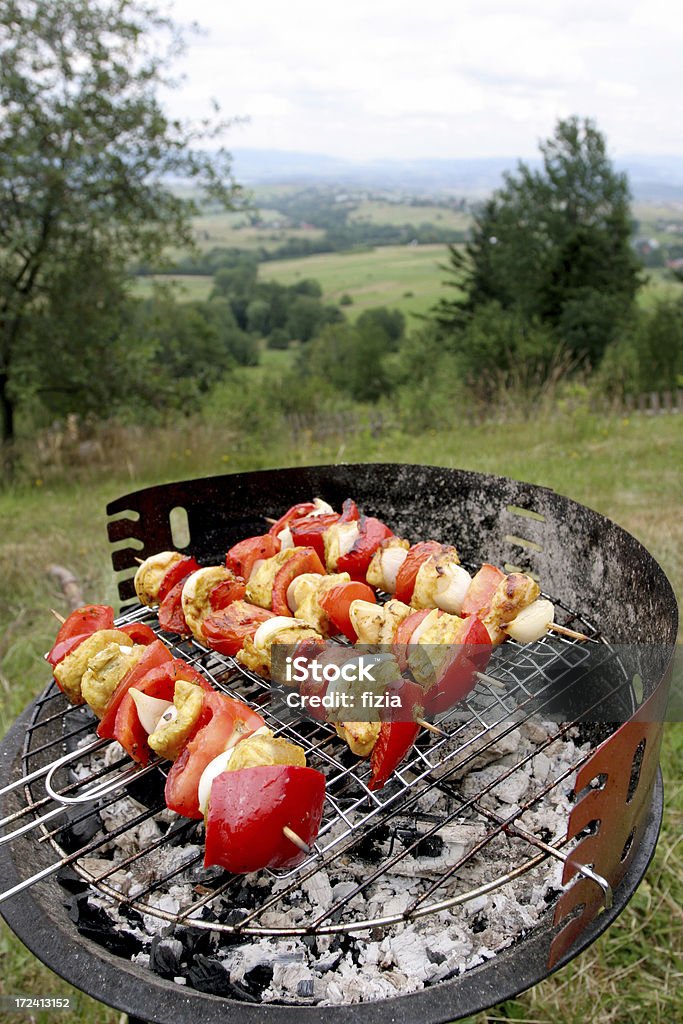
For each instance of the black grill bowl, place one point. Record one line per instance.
(584, 560)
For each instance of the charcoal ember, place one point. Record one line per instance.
(208, 974)
(78, 828)
(148, 790)
(165, 956)
(551, 895)
(479, 923)
(436, 956)
(430, 846)
(304, 989)
(330, 964)
(370, 846)
(71, 880)
(94, 923)
(257, 980)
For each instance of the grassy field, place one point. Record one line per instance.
(623, 468)
(405, 277)
(378, 212)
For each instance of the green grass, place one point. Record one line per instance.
(405, 277)
(376, 211)
(624, 468)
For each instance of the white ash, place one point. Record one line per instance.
(382, 962)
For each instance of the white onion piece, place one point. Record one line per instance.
(423, 626)
(299, 587)
(290, 597)
(212, 770)
(257, 564)
(391, 561)
(219, 765)
(285, 538)
(451, 587)
(270, 627)
(348, 535)
(150, 709)
(364, 616)
(321, 508)
(532, 623)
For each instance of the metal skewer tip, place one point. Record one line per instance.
(59, 618)
(270, 520)
(428, 725)
(290, 834)
(138, 560)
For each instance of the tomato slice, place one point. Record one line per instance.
(336, 603)
(470, 654)
(221, 717)
(304, 560)
(480, 591)
(177, 572)
(77, 626)
(156, 654)
(171, 617)
(241, 557)
(309, 532)
(158, 682)
(300, 511)
(248, 810)
(406, 575)
(139, 632)
(226, 592)
(226, 630)
(357, 560)
(393, 743)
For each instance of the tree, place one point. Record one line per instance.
(551, 239)
(86, 151)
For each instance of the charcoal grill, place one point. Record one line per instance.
(612, 688)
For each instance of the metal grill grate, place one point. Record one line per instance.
(519, 684)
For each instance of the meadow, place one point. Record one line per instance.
(623, 467)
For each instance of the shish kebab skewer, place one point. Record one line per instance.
(224, 758)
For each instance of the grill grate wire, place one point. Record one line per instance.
(519, 682)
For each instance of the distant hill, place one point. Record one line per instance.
(653, 178)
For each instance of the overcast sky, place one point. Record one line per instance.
(435, 78)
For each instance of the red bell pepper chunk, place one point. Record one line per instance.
(407, 573)
(226, 630)
(178, 571)
(77, 626)
(300, 511)
(393, 743)
(337, 601)
(139, 632)
(158, 682)
(221, 717)
(226, 592)
(470, 654)
(242, 556)
(248, 810)
(304, 560)
(171, 617)
(308, 532)
(481, 590)
(357, 560)
(156, 654)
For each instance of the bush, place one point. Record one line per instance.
(278, 338)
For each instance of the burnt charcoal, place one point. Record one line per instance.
(331, 964)
(165, 956)
(545, 834)
(551, 895)
(430, 846)
(370, 846)
(148, 790)
(257, 980)
(207, 974)
(78, 828)
(71, 880)
(480, 923)
(94, 923)
(305, 988)
(436, 956)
